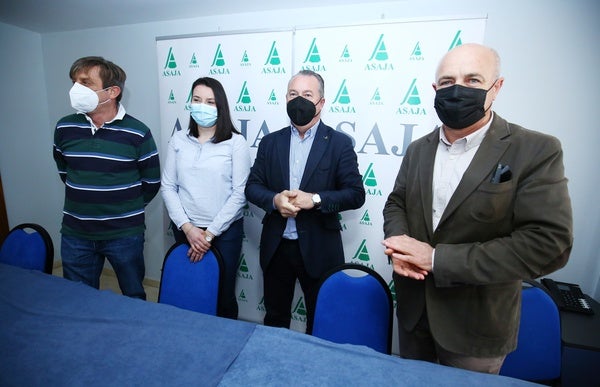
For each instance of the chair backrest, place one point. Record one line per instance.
(29, 246)
(193, 286)
(538, 353)
(354, 305)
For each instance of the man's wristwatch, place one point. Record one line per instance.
(316, 199)
(208, 236)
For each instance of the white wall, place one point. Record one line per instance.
(550, 62)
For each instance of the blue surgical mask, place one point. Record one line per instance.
(204, 115)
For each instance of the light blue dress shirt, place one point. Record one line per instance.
(204, 183)
(299, 151)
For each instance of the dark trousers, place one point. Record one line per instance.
(279, 284)
(229, 244)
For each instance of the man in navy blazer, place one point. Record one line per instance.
(303, 176)
(479, 205)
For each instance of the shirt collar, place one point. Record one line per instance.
(119, 116)
(308, 133)
(472, 140)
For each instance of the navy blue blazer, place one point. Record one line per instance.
(331, 171)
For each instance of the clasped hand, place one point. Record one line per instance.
(198, 243)
(289, 203)
(410, 257)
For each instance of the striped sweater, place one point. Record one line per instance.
(110, 176)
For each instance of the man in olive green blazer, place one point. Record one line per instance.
(478, 205)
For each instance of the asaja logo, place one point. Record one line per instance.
(244, 102)
(242, 296)
(261, 305)
(246, 211)
(341, 220)
(272, 98)
(345, 57)
(457, 41)
(341, 103)
(411, 102)
(243, 270)
(171, 99)
(362, 255)
(376, 98)
(370, 182)
(379, 58)
(299, 311)
(366, 219)
(416, 53)
(188, 101)
(170, 69)
(273, 63)
(194, 61)
(218, 64)
(393, 291)
(245, 62)
(313, 59)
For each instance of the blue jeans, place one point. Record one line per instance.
(83, 260)
(229, 244)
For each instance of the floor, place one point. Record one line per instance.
(108, 281)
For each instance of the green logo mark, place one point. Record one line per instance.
(380, 52)
(272, 97)
(457, 41)
(171, 63)
(393, 291)
(342, 96)
(369, 177)
(171, 97)
(313, 53)
(300, 308)
(244, 95)
(345, 57)
(245, 60)
(412, 95)
(365, 218)
(273, 58)
(194, 61)
(243, 266)
(376, 98)
(218, 60)
(242, 296)
(417, 50)
(362, 253)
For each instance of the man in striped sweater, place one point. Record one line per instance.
(109, 163)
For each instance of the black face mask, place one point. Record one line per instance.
(301, 111)
(459, 107)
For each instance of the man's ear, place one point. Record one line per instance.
(114, 92)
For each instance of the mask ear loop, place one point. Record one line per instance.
(487, 91)
(102, 103)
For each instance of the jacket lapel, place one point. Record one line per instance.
(425, 164)
(283, 147)
(320, 142)
(486, 159)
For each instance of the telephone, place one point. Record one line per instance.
(568, 296)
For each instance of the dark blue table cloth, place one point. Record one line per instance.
(55, 332)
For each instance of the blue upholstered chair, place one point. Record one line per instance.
(192, 286)
(354, 305)
(538, 354)
(29, 246)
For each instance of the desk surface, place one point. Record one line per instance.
(57, 332)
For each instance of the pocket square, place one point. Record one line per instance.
(501, 174)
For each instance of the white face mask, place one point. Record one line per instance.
(84, 99)
(204, 115)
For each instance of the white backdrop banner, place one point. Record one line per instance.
(377, 90)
